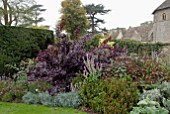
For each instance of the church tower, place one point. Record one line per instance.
(161, 27)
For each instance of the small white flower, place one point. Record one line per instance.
(36, 90)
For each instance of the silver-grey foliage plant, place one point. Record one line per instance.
(71, 99)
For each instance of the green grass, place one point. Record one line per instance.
(19, 108)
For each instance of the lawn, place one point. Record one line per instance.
(19, 108)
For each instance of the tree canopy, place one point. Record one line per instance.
(92, 11)
(20, 12)
(75, 18)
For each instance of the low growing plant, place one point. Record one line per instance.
(153, 95)
(71, 99)
(31, 98)
(165, 92)
(11, 91)
(147, 106)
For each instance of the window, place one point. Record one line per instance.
(163, 16)
(151, 37)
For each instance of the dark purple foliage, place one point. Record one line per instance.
(107, 54)
(59, 64)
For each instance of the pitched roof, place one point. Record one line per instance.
(164, 5)
(117, 31)
(142, 30)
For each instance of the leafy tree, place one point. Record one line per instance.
(92, 11)
(18, 12)
(75, 18)
(32, 18)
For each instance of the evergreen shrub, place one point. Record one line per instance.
(110, 96)
(18, 43)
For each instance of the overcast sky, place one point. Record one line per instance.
(124, 13)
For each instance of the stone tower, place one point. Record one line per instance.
(161, 27)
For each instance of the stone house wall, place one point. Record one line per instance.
(161, 27)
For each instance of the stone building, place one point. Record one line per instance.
(118, 33)
(161, 26)
(156, 31)
(143, 33)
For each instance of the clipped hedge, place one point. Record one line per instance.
(140, 47)
(18, 43)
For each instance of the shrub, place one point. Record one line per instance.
(19, 43)
(93, 94)
(46, 99)
(161, 95)
(153, 95)
(147, 106)
(165, 89)
(59, 64)
(165, 92)
(142, 71)
(38, 85)
(31, 98)
(166, 103)
(71, 100)
(93, 42)
(140, 48)
(11, 91)
(109, 96)
(38, 98)
(145, 71)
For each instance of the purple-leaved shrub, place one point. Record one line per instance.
(60, 63)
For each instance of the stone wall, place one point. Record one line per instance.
(161, 28)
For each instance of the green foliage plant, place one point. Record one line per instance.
(110, 95)
(147, 106)
(160, 95)
(165, 92)
(11, 91)
(18, 43)
(75, 18)
(165, 89)
(153, 95)
(166, 103)
(93, 94)
(93, 42)
(141, 48)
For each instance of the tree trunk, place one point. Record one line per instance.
(5, 12)
(10, 15)
(92, 26)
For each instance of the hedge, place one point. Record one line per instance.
(18, 43)
(141, 48)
